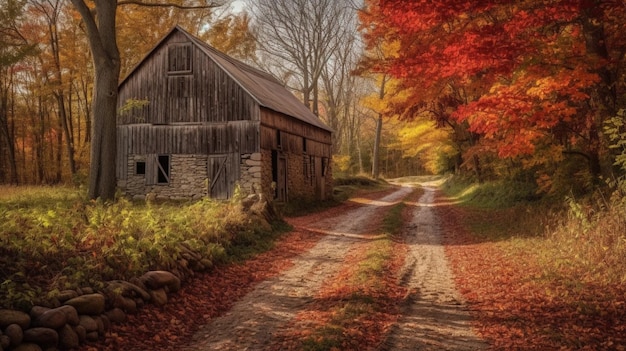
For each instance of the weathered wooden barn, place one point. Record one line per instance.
(194, 122)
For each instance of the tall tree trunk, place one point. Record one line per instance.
(103, 43)
(603, 96)
(63, 118)
(376, 153)
(8, 137)
(379, 132)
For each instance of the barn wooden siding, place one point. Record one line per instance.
(197, 90)
(293, 131)
(191, 139)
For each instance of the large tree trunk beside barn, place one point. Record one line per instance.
(103, 44)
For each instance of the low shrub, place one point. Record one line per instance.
(55, 240)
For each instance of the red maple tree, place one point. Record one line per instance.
(534, 79)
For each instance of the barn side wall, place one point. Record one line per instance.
(307, 151)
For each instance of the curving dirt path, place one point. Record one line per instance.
(434, 316)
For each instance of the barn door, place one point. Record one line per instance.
(223, 174)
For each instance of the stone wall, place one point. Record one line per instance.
(251, 173)
(188, 179)
(299, 184)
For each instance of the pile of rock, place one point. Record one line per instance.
(82, 315)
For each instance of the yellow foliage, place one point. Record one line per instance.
(341, 163)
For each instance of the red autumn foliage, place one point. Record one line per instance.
(519, 75)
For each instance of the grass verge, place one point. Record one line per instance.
(540, 276)
(362, 303)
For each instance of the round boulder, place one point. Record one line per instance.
(44, 337)
(159, 297)
(27, 346)
(8, 317)
(68, 338)
(88, 323)
(91, 304)
(161, 279)
(15, 334)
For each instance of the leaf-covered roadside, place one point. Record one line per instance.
(520, 298)
(203, 298)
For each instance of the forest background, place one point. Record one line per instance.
(531, 91)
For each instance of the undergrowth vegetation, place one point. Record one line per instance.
(52, 239)
(583, 238)
(553, 271)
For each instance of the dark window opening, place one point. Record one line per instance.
(140, 168)
(163, 172)
(279, 142)
(324, 166)
(179, 58)
(304, 145)
(305, 167)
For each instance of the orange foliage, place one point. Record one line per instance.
(519, 74)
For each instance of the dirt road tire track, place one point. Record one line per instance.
(254, 320)
(434, 316)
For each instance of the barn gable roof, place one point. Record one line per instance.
(262, 86)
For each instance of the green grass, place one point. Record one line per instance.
(53, 239)
(497, 194)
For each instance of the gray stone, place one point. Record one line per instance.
(91, 304)
(81, 332)
(126, 289)
(66, 295)
(37, 311)
(15, 334)
(87, 290)
(44, 337)
(92, 336)
(159, 279)
(68, 338)
(126, 304)
(106, 322)
(8, 317)
(28, 347)
(5, 342)
(159, 297)
(100, 325)
(116, 315)
(88, 323)
(71, 313)
(57, 317)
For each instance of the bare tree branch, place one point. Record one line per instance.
(167, 4)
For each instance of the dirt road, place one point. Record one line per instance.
(434, 316)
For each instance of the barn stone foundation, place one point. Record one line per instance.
(188, 179)
(251, 175)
